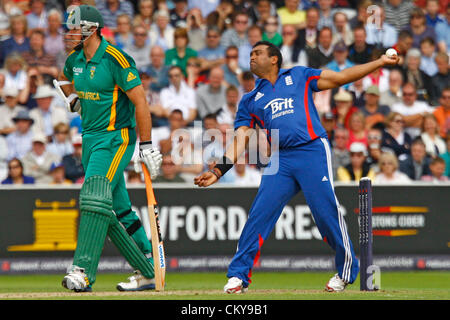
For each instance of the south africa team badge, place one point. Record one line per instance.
(92, 72)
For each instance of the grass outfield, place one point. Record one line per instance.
(425, 285)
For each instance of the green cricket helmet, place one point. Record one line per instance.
(83, 17)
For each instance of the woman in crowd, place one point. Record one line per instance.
(357, 131)
(18, 41)
(161, 31)
(389, 170)
(194, 76)
(394, 136)
(344, 108)
(434, 144)
(145, 15)
(15, 76)
(124, 35)
(15, 173)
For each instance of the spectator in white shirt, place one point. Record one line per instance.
(341, 29)
(380, 33)
(179, 96)
(16, 76)
(8, 110)
(161, 136)
(434, 144)
(38, 161)
(61, 144)
(412, 110)
(389, 172)
(19, 142)
(37, 18)
(228, 112)
(161, 32)
(3, 158)
(47, 115)
(245, 175)
(291, 50)
(211, 97)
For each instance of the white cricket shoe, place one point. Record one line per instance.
(335, 284)
(234, 285)
(137, 282)
(76, 280)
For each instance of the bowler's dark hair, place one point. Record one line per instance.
(273, 50)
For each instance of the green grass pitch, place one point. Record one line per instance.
(423, 285)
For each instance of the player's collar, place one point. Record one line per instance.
(280, 73)
(100, 51)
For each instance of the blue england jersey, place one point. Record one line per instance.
(287, 106)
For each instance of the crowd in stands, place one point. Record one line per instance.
(193, 59)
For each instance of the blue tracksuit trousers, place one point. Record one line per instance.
(302, 168)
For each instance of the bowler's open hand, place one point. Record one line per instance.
(205, 179)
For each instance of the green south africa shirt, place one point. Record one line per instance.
(101, 84)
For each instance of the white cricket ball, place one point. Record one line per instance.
(391, 52)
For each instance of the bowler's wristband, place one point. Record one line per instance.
(226, 165)
(214, 172)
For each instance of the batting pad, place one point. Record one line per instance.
(96, 214)
(129, 249)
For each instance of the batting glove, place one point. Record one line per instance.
(72, 102)
(75, 106)
(150, 157)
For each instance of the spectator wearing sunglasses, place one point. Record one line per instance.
(15, 173)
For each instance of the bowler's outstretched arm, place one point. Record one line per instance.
(330, 79)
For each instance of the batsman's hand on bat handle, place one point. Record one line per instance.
(149, 156)
(75, 105)
(207, 178)
(72, 101)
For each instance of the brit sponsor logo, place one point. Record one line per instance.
(280, 107)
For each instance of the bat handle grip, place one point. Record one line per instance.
(148, 186)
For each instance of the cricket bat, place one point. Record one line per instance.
(155, 232)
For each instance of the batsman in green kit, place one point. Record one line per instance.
(101, 82)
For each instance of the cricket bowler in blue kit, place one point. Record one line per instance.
(282, 99)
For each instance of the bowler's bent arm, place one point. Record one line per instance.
(240, 141)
